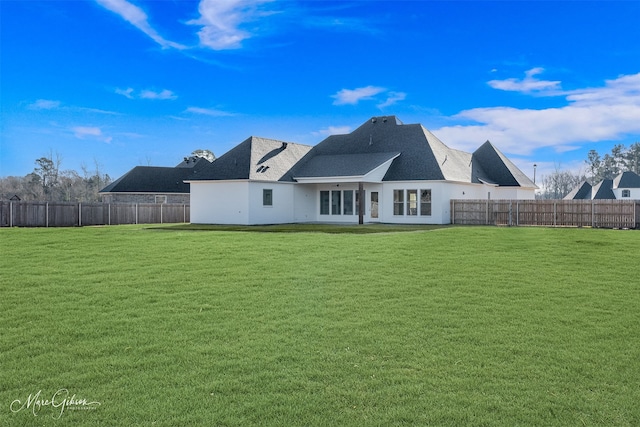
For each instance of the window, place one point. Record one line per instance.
(626, 193)
(348, 202)
(425, 202)
(412, 202)
(398, 202)
(324, 203)
(335, 202)
(161, 199)
(267, 197)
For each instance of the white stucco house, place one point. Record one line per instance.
(384, 171)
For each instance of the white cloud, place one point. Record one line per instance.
(528, 84)
(164, 94)
(138, 18)
(92, 132)
(392, 99)
(209, 112)
(130, 93)
(44, 104)
(592, 114)
(221, 21)
(353, 96)
(125, 92)
(333, 130)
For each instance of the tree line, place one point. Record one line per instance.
(598, 167)
(48, 182)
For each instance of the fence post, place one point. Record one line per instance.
(79, 214)
(161, 213)
(554, 213)
(136, 214)
(517, 213)
(593, 214)
(10, 214)
(46, 214)
(184, 213)
(109, 214)
(453, 212)
(510, 213)
(486, 214)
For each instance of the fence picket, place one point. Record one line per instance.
(557, 213)
(64, 214)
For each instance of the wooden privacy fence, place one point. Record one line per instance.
(57, 214)
(555, 213)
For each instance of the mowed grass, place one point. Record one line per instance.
(445, 327)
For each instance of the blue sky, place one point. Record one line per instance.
(123, 83)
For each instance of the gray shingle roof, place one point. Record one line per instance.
(419, 155)
(627, 180)
(337, 165)
(495, 167)
(581, 192)
(422, 155)
(155, 179)
(256, 159)
(603, 190)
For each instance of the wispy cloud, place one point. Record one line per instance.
(593, 114)
(527, 85)
(163, 94)
(353, 96)
(209, 112)
(47, 104)
(221, 22)
(385, 98)
(130, 93)
(90, 132)
(333, 130)
(44, 104)
(138, 18)
(392, 99)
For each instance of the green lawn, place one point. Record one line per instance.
(432, 326)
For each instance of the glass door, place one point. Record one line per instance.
(374, 204)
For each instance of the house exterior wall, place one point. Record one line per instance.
(281, 211)
(223, 202)
(180, 198)
(243, 201)
(634, 193)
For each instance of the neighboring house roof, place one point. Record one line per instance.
(604, 189)
(155, 179)
(627, 180)
(581, 192)
(256, 159)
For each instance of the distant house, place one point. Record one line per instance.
(151, 184)
(384, 171)
(625, 186)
